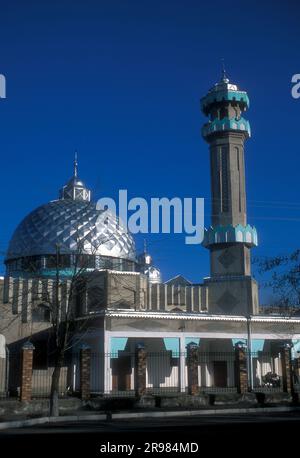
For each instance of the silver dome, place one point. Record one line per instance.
(71, 224)
(153, 274)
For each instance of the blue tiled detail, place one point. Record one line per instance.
(225, 124)
(225, 95)
(48, 273)
(230, 234)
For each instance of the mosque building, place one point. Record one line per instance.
(120, 299)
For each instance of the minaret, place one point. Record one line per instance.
(147, 267)
(229, 237)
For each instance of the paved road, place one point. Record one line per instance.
(222, 433)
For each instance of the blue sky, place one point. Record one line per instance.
(120, 81)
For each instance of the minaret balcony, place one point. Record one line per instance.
(226, 124)
(224, 96)
(230, 234)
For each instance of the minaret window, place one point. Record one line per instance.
(223, 112)
(224, 176)
(239, 175)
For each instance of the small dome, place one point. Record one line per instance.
(75, 182)
(154, 275)
(147, 268)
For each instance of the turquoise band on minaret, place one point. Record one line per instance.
(219, 125)
(230, 234)
(224, 95)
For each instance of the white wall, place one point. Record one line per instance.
(2, 346)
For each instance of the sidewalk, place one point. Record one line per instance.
(109, 416)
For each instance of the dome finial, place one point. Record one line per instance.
(224, 75)
(75, 189)
(75, 165)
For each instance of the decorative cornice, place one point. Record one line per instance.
(225, 124)
(198, 317)
(230, 234)
(224, 95)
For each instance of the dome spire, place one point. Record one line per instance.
(224, 77)
(75, 189)
(75, 165)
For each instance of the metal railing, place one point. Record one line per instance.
(166, 372)
(266, 372)
(3, 378)
(41, 382)
(216, 372)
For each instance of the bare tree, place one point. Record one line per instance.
(283, 281)
(61, 303)
(63, 318)
(63, 312)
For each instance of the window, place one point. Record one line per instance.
(85, 261)
(62, 261)
(40, 355)
(96, 298)
(225, 190)
(41, 313)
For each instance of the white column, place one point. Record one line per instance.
(107, 370)
(192, 298)
(150, 297)
(166, 297)
(182, 381)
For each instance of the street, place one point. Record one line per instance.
(222, 433)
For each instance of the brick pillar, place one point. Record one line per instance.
(26, 376)
(287, 383)
(192, 368)
(298, 368)
(140, 371)
(85, 372)
(241, 370)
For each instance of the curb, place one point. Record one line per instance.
(128, 415)
(50, 420)
(187, 413)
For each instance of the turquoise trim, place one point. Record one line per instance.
(256, 344)
(295, 348)
(225, 124)
(117, 344)
(220, 96)
(188, 340)
(172, 344)
(230, 234)
(48, 273)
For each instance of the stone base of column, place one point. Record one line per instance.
(85, 373)
(192, 364)
(26, 375)
(140, 372)
(241, 370)
(287, 383)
